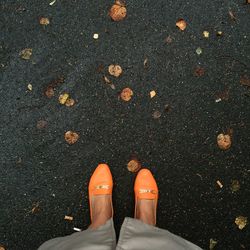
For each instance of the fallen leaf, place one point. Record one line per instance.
(212, 244)
(55, 82)
(51, 3)
(70, 102)
(219, 184)
(118, 12)
(145, 63)
(41, 124)
(71, 137)
(126, 94)
(35, 208)
(49, 92)
(199, 71)
(181, 24)
(224, 141)
(156, 114)
(29, 87)
(235, 185)
(115, 70)
(224, 95)
(63, 98)
(44, 21)
(169, 40)
(96, 36)
(198, 51)
(152, 94)
(206, 34)
(26, 53)
(245, 80)
(70, 218)
(241, 222)
(133, 165)
(106, 79)
(2, 247)
(232, 15)
(219, 33)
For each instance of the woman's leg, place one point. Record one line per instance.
(141, 233)
(101, 234)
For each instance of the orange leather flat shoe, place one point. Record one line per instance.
(145, 188)
(101, 183)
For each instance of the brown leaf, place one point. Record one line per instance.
(156, 114)
(71, 137)
(224, 141)
(232, 15)
(26, 53)
(133, 165)
(181, 24)
(44, 21)
(115, 70)
(35, 208)
(126, 94)
(118, 12)
(2, 247)
(169, 40)
(41, 124)
(224, 95)
(241, 222)
(70, 102)
(245, 80)
(199, 71)
(49, 92)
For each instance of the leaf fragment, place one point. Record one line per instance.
(115, 70)
(26, 53)
(241, 222)
(71, 137)
(126, 94)
(181, 24)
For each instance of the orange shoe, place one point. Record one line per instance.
(145, 188)
(101, 183)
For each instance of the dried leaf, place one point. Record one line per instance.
(219, 33)
(156, 114)
(235, 185)
(152, 94)
(44, 21)
(96, 36)
(70, 102)
(118, 12)
(49, 92)
(115, 70)
(63, 98)
(29, 87)
(35, 208)
(134, 165)
(224, 141)
(224, 95)
(198, 51)
(106, 79)
(51, 3)
(26, 53)
(181, 24)
(241, 222)
(169, 40)
(126, 94)
(70, 218)
(2, 247)
(245, 80)
(41, 124)
(219, 184)
(145, 63)
(206, 34)
(232, 15)
(199, 71)
(71, 137)
(212, 244)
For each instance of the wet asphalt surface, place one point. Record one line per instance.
(39, 167)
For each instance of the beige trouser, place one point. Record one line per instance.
(134, 235)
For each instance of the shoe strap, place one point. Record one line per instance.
(144, 191)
